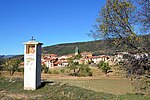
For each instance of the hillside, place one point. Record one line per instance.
(96, 47)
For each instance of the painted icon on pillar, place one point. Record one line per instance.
(31, 50)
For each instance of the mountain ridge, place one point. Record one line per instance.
(96, 47)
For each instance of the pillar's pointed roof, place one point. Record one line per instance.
(32, 41)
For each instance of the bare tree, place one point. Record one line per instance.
(118, 20)
(142, 15)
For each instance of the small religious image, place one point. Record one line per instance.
(31, 49)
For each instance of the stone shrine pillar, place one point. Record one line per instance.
(32, 65)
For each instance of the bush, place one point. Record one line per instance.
(138, 70)
(104, 67)
(46, 69)
(62, 70)
(49, 72)
(142, 85)
(82, 70)
(55, 72)
(42, 68)
(85, 71)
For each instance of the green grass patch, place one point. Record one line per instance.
(13, 89)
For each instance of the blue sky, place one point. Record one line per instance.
(49, 21)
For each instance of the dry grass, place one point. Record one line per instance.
(51, 90)
(113, 86)
(98, 82)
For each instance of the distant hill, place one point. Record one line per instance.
(1, 56)
(7, 56)
(96, 47)
(11, 56)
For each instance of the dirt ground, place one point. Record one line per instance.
(61, 76)
(105, 83)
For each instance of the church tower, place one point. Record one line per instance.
(76, 51)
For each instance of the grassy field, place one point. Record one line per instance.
(60, 86)
(51, 90)
(98, 82)
(112, 86)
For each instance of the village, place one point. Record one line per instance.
(53, 60)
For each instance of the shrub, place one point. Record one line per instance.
(142, 85)
(85, 71)
(46, 69)
(55, 72)
(49, 72)
(62, 70)
(82, 70)
(104, 67)
(138, 70)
